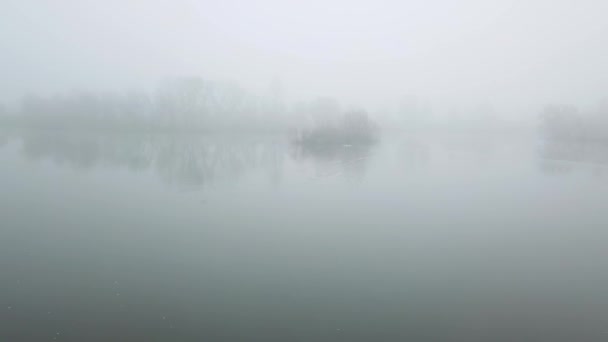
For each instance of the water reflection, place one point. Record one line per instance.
(180, 160)
(194, 161)
(558, 157)
(349, 161)
(191, 161)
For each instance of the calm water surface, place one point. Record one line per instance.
(419, 238)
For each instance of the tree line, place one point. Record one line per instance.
(198, 105)
(569, 123)
(188, 103)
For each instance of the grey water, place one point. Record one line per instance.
(421, 237)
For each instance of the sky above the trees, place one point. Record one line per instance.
(512, 55)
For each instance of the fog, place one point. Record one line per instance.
(515, 56)
(303, 171)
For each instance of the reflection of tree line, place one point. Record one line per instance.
(182, 160)
(562, 157)
(335, 160)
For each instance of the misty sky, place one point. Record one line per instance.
(513, 55)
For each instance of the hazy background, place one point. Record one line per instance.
(512, 56)
(303, 171)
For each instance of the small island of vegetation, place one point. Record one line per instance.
(328, 126)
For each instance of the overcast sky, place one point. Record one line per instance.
(514, 55)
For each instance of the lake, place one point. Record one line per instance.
(421, 237)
